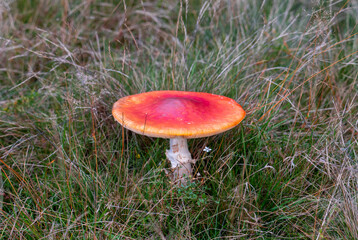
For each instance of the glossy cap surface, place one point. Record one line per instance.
(169, 114)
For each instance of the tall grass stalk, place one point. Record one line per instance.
(1, 190)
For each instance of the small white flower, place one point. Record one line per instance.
(206, 149)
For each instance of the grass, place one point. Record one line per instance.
(69, 171)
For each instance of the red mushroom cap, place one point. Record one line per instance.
(170, 114)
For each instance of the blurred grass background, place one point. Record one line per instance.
(69, 171)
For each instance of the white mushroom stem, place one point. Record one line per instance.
(180, 158)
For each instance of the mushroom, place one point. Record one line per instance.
(178, 115)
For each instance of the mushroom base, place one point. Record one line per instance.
(180, 159)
